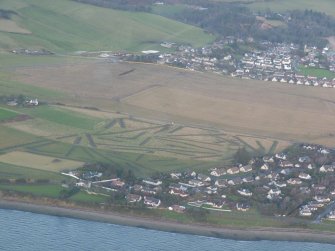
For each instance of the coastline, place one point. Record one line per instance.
(249, 234)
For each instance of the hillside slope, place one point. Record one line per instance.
(64, 25)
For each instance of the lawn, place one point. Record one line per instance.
(88, 198)
(37, 190)
(6, 114)
(72, 26)
(316, 72)
(39, 161)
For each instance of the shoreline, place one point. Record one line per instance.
(249, 234)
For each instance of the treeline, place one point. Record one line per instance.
(303, 27)
(6, 14)
(19, 99)
(128, 5)
(221, 19)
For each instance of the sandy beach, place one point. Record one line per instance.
(277, 234)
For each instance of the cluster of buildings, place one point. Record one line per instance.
(274, 62)
(305, 175)
(32, 52)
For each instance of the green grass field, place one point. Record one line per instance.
(40, 162)
(6, 114)
(316, 72)
(9, 86)
(51, 191)
(65, 25)
(63, 117)
(65, 134)
(11, 138)
(8, 171)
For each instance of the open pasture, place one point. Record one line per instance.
(40, 162)
(10, 138)
(144, 146)
(63, 26)
(8, 171)
(255, 108)
(12, 27)
(6, 114)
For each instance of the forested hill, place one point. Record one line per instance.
(229, 18)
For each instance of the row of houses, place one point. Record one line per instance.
(236, 187)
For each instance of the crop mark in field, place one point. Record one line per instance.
(128, 131)
(145, 141)
(90, 140)
(273, 147)
(24, 145)
(122, 123)
(87, 150)
(111, 123)
(17, 118)
(163, 129)
(136, 136)
(77, 140)
(188, 144)
(139, 157)
(100, 155)
(67, 154)
(246, 144)
(261, 147)
(176, 129)
(127, 72)
(199, 134)
(181, 140)
(66, 136)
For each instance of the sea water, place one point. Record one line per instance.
(28, 231)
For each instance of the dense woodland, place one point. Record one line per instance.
(229, 19)
(6, 14)
(300, 27)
